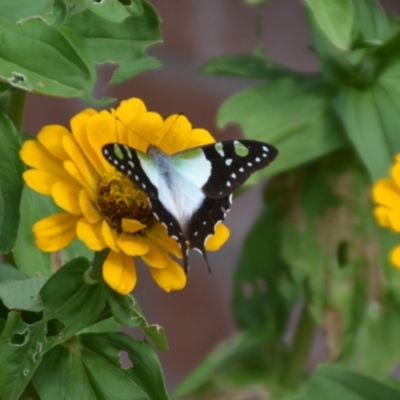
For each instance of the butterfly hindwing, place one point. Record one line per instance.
(173, 228)
(204, 220)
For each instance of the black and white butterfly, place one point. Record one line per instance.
(190, 192)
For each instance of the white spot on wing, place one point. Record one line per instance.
(258, 159)
(249, 164)
(228, 184)
(241, 169)
(105, 151)
(228, 161)
(220, 149)
(131, 164)
(265, 148)
(233, 175)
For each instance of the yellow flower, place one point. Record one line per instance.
(386, 193)
(102, 207)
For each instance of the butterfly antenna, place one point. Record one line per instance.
(129, 128)
(172, 125)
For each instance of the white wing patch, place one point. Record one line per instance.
(178, 179)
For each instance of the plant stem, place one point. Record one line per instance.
(96, 272)
(298, 357)
(16, 107)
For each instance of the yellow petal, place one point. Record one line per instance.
(66, 196)
(90, 234)
(199, 137)
(220, 236)
(50, 137)
(88, 210)
(75, 173)
(55, 232)
(42, 181)
(34, 154)
(382, 216)
(101, 129)
(119, 272)
(129, 109)
(395, 257)
(79, 159)
(177, 130)
(155, 258)
(147, 128)
(132, 245)
(386, 192)
(157, 235)
(395, 172)
(110, 236)
(172, 277)
(131, 225)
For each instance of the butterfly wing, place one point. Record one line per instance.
(232, 164)
(142, 171)
(218, 170)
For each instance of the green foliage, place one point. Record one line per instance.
(11, 169)
(41, 339)
(316, 242)
(52, 48)
(333, 383)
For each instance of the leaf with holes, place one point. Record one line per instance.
(41, 58)
(21, 348)
(71, 299)
(89, 367)
(126, 311)
(114, 10)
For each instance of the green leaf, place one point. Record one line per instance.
(89, 367)
(371, 21)
(227, 355)
(335, 18)
(16, 10)
(72, 299)
(126, 311)
(120, 43)
(21, 349)
(70, 302)
(39, 57)
(114, 10)
(22, 294)
(370, 118)
(332, 383)
(9, 273)
(246, 66)
(11, 169)
(264, 293)
(28, 257)
(292, 114)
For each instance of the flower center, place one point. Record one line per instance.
(118, 198)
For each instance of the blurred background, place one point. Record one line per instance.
(193, 31)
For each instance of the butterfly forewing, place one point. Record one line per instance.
(139, 167)
(232, 164)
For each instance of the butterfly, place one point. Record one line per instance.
(190, 192)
